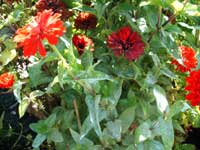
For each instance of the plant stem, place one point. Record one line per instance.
(68, 69)
(77, 114)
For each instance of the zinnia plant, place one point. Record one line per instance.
(115, 75)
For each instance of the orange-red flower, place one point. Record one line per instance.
(56, 5)
(85, 21)
(126, 42)
(46, 25)
(188, 58)
(81, 42)
(193, 86)
(6, 80)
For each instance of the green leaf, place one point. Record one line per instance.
(143, 132)
(177, 107)
(36, 93)
(112, 91)
(152, 13)
(79, 140)
(39, 139)
(114, 129)
(7, 56)
(87, 59)
(23, 106)
(55, 135)
(161, 99)
(153, 145)
(166, 131)
(92, 76)
(165, 71)
(127, 117)
(93, 107)
(37, 76)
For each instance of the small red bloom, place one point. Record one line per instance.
(81, 42)
(193, 86)
(188, 58)
(85, 21)
(57, 6)
(126, 42)
(44, 25)
(6, 80)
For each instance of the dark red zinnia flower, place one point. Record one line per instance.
(126, 42)
(56, 5)
(46, 25)
(188, 58)
(85, 21)
(6, 80)
(81, 42)
(193, 87)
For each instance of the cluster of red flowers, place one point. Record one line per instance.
(46, 25)
(188, 58)
(192, 81)
(193, 86)
(6, 80)
(126, 42)
(57, 6)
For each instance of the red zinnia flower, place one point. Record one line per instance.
(56, 5)
(6, 80)
(188, 58)
(193, 86)
(44, 25)
(85, 21)
(126, 42)
(81, 42)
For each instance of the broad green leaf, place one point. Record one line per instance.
(155, 59)
(93, 108)
(92, 76)
(112, 91)
(165, 71)
(167, 133)
(177, 107)
(7, 56)
(153, 145)
(36, 93)
(39, 139)
(37, 76)
(23, 105)
(87, 59)
(55, 135)
(161, 99)
(143, 132)
(114, 129)
(80, 140)
(127, 117)
(152, 13)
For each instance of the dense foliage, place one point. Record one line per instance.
(99, 74)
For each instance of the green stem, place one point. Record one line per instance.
(68, 69)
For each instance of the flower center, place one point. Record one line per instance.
(125, 45)
(81, 45)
